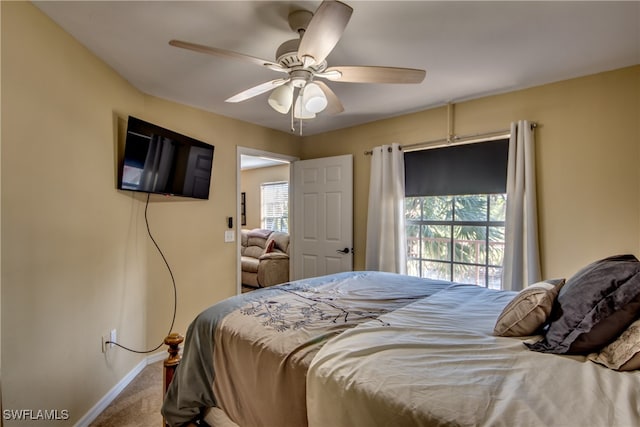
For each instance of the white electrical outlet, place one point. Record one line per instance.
(112, 338)
(104, 342)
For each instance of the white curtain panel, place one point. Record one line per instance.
(521, 252)
(386, 240)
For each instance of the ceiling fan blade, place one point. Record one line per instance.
(324, 31)
(364, 74)
(334, 106)
(227, 54)
(256, 90)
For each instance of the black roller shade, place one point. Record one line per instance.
(479, 168)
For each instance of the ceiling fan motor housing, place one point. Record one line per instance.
(287, 53)
(287, 56)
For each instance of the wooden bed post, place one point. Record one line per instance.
(173, 340)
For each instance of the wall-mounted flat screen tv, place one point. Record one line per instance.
(158, 160)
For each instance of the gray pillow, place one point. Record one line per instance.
(593, 307)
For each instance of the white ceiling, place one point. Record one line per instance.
(255, 162)
(469, 49)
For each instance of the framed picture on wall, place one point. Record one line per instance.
(243, 208)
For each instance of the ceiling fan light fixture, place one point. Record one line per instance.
(282, 98)
(300, 112)
(313, 98)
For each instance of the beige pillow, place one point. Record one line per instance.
(529, 310)
(623, 354)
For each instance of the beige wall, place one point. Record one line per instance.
(588, 151)
(250, 182)
(76, 258)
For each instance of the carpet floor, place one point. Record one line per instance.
(138, 405)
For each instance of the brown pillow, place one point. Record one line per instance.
(529, 310)
(270, 246)
(623, 354)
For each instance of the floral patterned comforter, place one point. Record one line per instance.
(249, 355)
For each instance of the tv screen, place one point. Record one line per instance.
(158, 160)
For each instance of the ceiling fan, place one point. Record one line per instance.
(304, 61)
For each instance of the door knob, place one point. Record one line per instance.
(343, 251)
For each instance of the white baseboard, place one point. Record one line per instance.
(156, 357)
(106, 400)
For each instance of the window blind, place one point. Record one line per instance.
(478, 168)
(275, 206)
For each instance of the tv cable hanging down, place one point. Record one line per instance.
(173, 281)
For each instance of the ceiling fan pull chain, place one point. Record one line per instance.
(293, 129)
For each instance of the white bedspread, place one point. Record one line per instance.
(438, 364)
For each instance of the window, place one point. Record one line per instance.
(458, 238)
(274, 206)
(455, 208)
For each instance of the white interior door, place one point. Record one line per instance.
(322, 216)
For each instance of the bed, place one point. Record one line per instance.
(380, 349)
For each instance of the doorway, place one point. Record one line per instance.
(255, 169)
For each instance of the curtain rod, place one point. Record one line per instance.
(465, 139)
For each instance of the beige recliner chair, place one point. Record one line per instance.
(265, 257)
